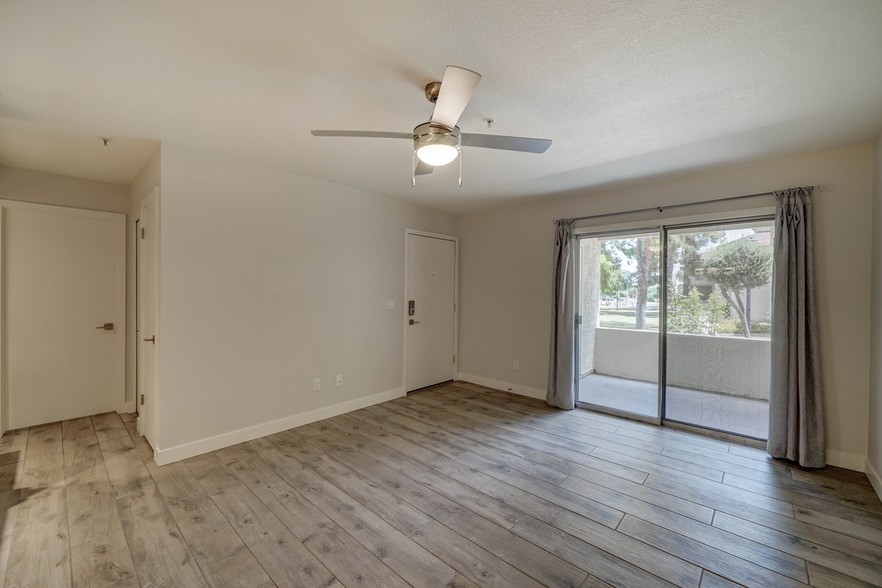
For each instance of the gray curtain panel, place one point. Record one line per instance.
(562, 362)
(796, 407)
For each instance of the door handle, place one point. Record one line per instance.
(105, 327)
(151, 339)
(413, 322)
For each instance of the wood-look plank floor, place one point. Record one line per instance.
(455, 485)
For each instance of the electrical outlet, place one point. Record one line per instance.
(316, 384)
(339, 380)
(390, 304)
(517, 365)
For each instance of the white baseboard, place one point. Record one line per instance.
(194, 448)
(849, 461)
(504, 386)
(875, 478)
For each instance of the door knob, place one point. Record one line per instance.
(105, 327)
(413, 322)
(151, 339)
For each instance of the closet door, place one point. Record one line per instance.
(63, 312)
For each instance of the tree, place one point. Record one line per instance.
(684, 312)
(683, 248)
(643, 251)
(611, 278)
(646, 252)
(736, 268)
(689, 314)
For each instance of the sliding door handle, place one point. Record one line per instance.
(105, 327)
(151, 339)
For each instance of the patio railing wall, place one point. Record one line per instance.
(727, 365)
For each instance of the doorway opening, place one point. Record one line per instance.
(619, 310)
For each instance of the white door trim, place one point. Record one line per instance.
(455, 239)
(119, 221)
(150, 429)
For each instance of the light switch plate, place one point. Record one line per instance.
(390, 304)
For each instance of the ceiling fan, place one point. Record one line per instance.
(438, 141)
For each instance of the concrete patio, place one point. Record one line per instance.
(725, 412)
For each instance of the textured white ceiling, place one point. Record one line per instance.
(626, 89)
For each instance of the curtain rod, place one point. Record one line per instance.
(663, 208)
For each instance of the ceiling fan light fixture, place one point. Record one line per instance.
(437, 154)
(436, 145)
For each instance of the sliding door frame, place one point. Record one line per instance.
(657, 229)
(663, 230)
(663, 320)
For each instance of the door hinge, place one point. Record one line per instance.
(142, 232)
(454, 359)
(454, 307)
(142, 400)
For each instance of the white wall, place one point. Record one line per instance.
(874, 449)
(268, 280)
(506, 275)
(44, 188)
(147, 179)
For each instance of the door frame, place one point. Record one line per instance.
(663, 319)
(636, 230)
(444, 237)
(146, 425)
(119, 220)
(136, 328)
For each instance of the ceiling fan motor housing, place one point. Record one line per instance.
(430, 130)
(440, 140)
(432, 91)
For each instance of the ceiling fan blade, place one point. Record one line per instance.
(372, 134)
(525, 144)
(422, 168)
(457, 88)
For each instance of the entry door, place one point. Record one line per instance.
(148, 336)
(64, 312)
(431, 298)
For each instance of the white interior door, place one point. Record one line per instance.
(63, 312)
(431, 290)
(148, 336)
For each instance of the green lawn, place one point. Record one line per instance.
(626, 318)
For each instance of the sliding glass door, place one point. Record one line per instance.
(618, 335)
(706, 289)
(718, 326)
